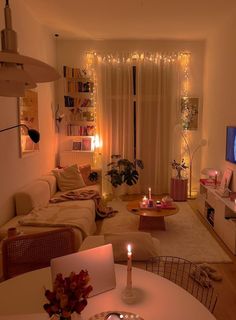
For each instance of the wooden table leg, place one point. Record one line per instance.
(151, 223)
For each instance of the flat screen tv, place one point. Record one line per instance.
(231, 144)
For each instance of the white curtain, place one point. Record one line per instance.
(114, 110)
(157, 112)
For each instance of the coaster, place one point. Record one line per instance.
(107, 315)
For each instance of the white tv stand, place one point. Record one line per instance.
(220, 213)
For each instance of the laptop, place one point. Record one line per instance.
(98, 261)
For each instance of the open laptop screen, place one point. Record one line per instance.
(99, 262)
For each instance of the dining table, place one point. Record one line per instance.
(154, 298)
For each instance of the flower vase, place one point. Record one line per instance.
(178, 174)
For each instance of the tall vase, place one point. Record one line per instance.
(178, 174)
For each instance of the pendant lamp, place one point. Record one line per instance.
(18, 72)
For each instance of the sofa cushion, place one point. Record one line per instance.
(35, 195)
(69, 178)
(85, 171)
(143, 245)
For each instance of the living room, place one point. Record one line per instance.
(205, 29)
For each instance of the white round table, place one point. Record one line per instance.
(160, 298)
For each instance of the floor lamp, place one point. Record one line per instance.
(32, 133)
(191, 154)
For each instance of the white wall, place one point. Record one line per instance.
(35, 41)
(219, 109)
(71, 53)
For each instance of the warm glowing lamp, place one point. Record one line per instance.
(18, 72)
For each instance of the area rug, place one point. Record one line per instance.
(185, 235)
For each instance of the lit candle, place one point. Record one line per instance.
(129, 267)
(144, 201)
(216, 173)
(149, 193)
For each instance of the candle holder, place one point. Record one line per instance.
(129, 295)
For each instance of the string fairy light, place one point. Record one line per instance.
(156, 57)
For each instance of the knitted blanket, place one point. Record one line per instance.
(101, 210)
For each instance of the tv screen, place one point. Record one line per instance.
(231, 144)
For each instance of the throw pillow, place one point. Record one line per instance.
(69, 178)
(85, 171)
(143, 245)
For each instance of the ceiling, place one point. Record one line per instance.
(131, 19)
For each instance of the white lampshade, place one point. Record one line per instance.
(18, 72)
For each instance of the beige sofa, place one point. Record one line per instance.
(33, 200)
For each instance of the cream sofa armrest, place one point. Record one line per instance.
(35, 195)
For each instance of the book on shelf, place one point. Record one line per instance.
(78, 73)
(78, 130)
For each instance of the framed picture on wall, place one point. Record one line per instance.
(86, 144)
(28, 115)
(189, 113)
(76, 145)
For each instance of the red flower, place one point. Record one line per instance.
(69, 294)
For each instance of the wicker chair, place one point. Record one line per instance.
(34, 251)
(187, 275)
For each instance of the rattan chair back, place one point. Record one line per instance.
(187, 275)
(34, 251)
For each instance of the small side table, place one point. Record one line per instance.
(179, 189)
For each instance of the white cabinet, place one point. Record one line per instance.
(220, 213)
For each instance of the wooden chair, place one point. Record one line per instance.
(187, 275)
(34, 251)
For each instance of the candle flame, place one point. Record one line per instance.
(129, 248)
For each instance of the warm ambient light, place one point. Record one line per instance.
(129, 250)
(18, 72)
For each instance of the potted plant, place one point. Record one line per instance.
(121, 170)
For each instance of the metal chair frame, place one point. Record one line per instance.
(34, 251)
(187, 275)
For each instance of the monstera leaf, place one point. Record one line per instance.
(122, 170)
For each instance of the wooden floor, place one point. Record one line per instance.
(226, 289)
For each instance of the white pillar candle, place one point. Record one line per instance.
(129, 267)
(149, 193)
(216, 173)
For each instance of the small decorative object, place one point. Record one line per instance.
(179, 167)
(150, 203)
(123, 171)
(93, 176)
(69, 295)
(167, 201)
(144, 201)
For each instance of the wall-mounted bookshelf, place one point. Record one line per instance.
(79, 108)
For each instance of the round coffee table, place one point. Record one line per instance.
(151, 218)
